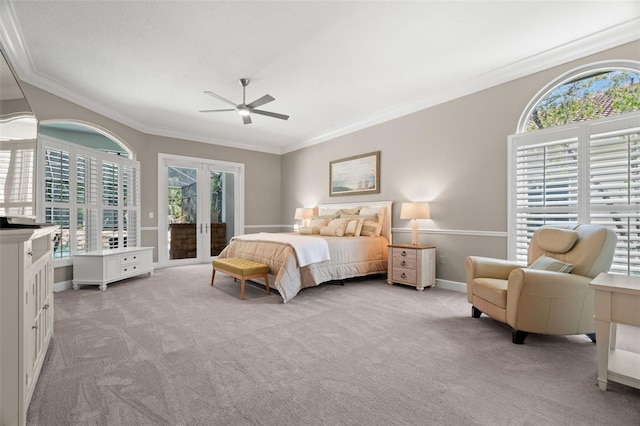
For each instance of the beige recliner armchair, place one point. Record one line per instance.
(552, 294)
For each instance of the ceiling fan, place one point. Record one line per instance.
(246, 109)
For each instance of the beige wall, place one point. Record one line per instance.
(453, 155)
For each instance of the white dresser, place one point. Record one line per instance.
(106, 266)
(26, 315)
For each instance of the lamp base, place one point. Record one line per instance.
(415, 238)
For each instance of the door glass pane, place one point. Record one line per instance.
(222, 214)
(182, 186)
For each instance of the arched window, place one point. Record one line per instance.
(588, 93)
(90, 188)
(576, 159)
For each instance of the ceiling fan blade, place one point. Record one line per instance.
(263, 100)
(270, 114)
(246, 119)
(219, 97)
(216, 110)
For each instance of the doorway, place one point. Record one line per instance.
(201, 205)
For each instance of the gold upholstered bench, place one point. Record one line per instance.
(241, 269)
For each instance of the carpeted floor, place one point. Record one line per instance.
(171, 350)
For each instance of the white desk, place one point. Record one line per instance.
(617, 300)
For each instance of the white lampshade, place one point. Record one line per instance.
(415, 211)
(299, 213)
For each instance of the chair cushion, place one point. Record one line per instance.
(492, 290)
(556, 240)
(550, 264)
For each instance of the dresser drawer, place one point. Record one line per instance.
(129, 268)
(126, 259)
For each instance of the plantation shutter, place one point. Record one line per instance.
(580, 173)
(615, 193)
(16, 178)
(546, 186)
(92, 195)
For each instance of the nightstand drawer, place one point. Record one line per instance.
(405, 262)
(403, 275)
(403, 253)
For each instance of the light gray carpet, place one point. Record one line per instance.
(171, 350)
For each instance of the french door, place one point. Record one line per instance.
(201, 205)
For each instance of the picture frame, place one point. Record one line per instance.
(356, 175)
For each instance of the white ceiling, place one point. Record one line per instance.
(333, 66)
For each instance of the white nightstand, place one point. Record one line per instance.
(413, 265)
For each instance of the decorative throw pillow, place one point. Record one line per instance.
(338, 223)
(309, 230)
(332, 231)
(354, 227)
(369, 227)
(354, 210)
(550, 264)
(318, 223)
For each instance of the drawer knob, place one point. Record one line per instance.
(34, 327)
(403, 263)
(403, 275)
(125, 259)
(135, 257)
(404, 253)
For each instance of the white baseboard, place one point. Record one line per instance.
(61, 286)
(451, 285)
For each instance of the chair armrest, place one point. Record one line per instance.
(488, 267)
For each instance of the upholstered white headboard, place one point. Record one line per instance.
(386, 224)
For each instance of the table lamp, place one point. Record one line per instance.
(414, 211)
(304, 214)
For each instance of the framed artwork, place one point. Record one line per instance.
(355, 175)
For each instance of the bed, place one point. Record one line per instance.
(291, 268)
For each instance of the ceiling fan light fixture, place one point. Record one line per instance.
(246, 109)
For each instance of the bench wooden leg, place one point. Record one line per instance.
(242, 289)
(266, 282)
(213, 275)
